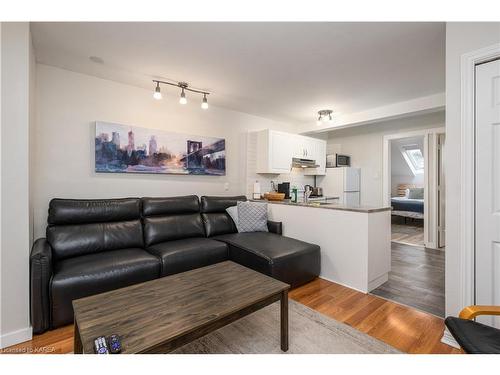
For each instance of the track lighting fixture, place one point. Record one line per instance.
(157, 93)
(325, 115)
(184, 87)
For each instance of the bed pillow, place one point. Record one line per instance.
(416, 193)
(252, 217)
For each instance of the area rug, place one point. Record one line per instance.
(309, 333)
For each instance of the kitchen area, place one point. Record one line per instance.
(326, 210)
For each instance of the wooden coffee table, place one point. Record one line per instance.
(161, 315)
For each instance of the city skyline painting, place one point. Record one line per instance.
(131, 149)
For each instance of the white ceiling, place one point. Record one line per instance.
(282, 71)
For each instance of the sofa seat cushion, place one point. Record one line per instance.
(187, 254)
(97, 273)
(292, 261)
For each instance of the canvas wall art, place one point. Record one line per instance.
(130, 149)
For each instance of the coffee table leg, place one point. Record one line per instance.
(284, 321)
(77, 344)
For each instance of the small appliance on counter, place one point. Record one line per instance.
(284, 188)
(316, 191)
(337, 160)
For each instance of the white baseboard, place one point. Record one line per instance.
(347, 286)
(375, 283)
(448, 339)
(16, 337)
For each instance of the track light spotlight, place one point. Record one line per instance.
(204, 103)
(157, 94)
(183, 99)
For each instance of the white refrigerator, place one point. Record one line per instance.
(344, 183)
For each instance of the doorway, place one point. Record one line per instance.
(414, 179)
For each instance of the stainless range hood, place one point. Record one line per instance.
(304, 163)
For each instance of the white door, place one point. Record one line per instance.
(487, 180)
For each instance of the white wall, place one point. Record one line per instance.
(365, 146)
(460, 38)
(69, 103)
(15, 224)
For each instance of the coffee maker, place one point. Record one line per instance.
(284, 187)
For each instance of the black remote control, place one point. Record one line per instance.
(100, 346)
(115, 345)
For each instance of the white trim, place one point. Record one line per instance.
(467, 153)
(386, 172)
(13, 338)
(342, 284)
(448, 339)
(375, 283)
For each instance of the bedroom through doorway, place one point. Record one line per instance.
(407, 191)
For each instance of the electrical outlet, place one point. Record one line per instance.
(226, 186)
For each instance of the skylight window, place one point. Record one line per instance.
(414, 158)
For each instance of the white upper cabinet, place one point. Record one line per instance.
(317, 152)
(275, 151)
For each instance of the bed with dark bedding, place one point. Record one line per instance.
(407, 205)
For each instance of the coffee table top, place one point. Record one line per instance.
(147, 314)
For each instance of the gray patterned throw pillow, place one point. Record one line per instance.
(252, 217)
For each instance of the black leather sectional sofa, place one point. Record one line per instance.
(93, 246)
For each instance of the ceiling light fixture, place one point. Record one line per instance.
(325, 115)
(157, 93)
(184, 87)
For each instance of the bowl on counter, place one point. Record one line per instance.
(274, 196)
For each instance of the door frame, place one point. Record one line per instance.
(386, 187)
(467, 168)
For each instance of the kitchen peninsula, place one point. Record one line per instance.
(355, 241)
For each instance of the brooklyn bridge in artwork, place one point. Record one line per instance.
(129, 149)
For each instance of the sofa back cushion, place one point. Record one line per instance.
(215, 218)
(172, 218)
(78, 227)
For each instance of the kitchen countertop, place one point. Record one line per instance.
(329, 206)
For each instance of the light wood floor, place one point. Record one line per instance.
(404, 328)
(416, 278)
(408, 234)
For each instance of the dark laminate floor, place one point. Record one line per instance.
(416, 278)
